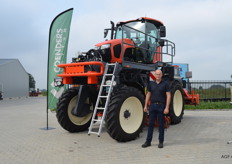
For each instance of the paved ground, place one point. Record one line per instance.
(201, 138)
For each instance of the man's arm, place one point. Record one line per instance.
(148, 96)
(168, 100)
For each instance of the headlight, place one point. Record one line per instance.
(105, 46)
(58, 82)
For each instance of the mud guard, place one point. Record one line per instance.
(82, 109)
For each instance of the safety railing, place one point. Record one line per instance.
(162, 47)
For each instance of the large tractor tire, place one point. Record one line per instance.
(64, 115)
(176, 109)
(125, 117)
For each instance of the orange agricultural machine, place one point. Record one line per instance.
(109, 82)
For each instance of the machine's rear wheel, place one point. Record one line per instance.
(125, 117)
(64, 116)
(177, 103)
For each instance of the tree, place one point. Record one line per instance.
(31, 81)
(216, 87)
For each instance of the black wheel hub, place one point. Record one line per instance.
(127, 114)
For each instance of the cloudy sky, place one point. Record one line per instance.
(201, 30)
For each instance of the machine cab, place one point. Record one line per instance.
(136, 41)
(145, 36)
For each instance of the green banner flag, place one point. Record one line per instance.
(57, 54)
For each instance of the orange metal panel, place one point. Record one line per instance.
(67, 80)
(77, 69)
(92, 80)
(74, 69)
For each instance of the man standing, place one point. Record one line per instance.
(158, 94)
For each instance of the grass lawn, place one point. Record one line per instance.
(211, 105)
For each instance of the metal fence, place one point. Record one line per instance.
(211, 90)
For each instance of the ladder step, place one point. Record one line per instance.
(93, 133)
(99, 108)
(109, 74)
(106, 85)
(103, 96)
(97, 120)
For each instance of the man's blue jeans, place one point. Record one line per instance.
(156, 110)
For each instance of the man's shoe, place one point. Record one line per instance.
(161, 145)
(146, 144)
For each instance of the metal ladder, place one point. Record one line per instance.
(111, 77)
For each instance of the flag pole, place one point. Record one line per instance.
(59, 22)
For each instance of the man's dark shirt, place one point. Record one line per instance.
(158, 91)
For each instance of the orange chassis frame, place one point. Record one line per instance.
(77, 69)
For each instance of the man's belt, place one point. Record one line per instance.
(157, 102)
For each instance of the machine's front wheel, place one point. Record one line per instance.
(125, 117)
(177, 103)
(64, 115)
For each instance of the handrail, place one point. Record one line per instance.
(168, 47)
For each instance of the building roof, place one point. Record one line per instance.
(7, 61)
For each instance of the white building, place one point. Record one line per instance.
(14, 80)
